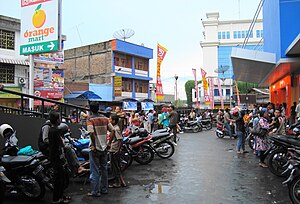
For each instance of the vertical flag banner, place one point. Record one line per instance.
(220, 93)
(211, 90)
(205, 87)
(237, 94)
(196, 88)
(161, 53)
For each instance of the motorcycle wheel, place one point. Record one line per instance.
(2, 191)
(251, 142)
(277, 159)
(32, 187)
(165, 149)
(125, 160)
(196, 128)
(219, 135)
(208, 126)
(145, 155)
(294, 190)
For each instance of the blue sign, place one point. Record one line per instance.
(147, 105)
(129, 105)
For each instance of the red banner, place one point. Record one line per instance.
(205, 87)
(211, 88)
(51, 94)
(161, 53)
(196, 87)
(221, 94)
(237, 94)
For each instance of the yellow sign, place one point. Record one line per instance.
(9, 95)
(117, 85)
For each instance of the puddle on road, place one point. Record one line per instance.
(160, 188)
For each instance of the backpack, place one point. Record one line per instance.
(43, 147)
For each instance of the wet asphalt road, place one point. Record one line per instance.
(204, 169)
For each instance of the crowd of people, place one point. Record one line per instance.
(51, 143)
(262, 121)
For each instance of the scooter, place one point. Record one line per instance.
(221, 131)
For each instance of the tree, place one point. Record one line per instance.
(189, 85)
(245, 87)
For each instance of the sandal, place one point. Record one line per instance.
(114, 185)
(67, 197)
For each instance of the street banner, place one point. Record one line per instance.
(161, 52)
(147, 106)
(196, 87)
(237, 94)
(211, 89)
(220, 94)
(129, 105)
(205, 87)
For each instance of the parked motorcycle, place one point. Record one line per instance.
(205, 124)
(186, 125)
(24, 172)
(3, 181)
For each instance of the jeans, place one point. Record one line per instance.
(72, 158)
(98, 171)
(241, 140)
(174, 130)
(228, 127)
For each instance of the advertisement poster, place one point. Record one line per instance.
(161, 52)
(205, 87)
(147, 105)
(129, 105)
(49, 83)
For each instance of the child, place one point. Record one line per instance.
(115, 143)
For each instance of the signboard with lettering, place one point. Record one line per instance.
(118, 86)
(39, 26)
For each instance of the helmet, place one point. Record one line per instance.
(63, 127)
(108, 109)
(4, 129)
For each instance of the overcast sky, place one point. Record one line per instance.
(176, 24)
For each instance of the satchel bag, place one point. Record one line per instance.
(258, 131)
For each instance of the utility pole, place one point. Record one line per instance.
(176, 93)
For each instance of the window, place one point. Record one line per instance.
(126, 85)
(216, 92)
(123, 60)
(258, 33)
(223, 35)
(239, 34)
(227, 92)
(251, 34)
(141, 86)
(261, 33)
(141, 63)
(7, 39)
(243, 34)
(234, 34)
(228, 35)
(7, 73)
(219, 35)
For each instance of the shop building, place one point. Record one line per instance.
(115, 70)
(220, 37)
(278, 65)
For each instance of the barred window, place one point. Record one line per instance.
(7, 39)
(7, 73)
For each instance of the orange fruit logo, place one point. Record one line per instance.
(39, 17)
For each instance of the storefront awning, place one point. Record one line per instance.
(83, 95)
(14, 61)
(251, 65)
(285, 67)
(294, 48)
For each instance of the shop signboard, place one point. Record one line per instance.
(117, 86)
(39, 26)
(147, 106)
(129, 105)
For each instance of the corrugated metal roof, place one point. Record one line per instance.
(14, 61)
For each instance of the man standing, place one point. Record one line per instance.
(97, 126)
(173, 115)
(227, 121)
(150, 120)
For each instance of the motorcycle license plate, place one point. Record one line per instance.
(38, 169)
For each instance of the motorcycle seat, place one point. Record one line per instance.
(85, 151)
(288, 140)
(159, 131)
(159, 135)
(135, 140)
(14, 161)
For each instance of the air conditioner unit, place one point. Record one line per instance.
(21, 81)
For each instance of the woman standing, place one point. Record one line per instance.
(261, 140)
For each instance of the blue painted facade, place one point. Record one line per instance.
(281, 25)
(224, 59)
(134, 50)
